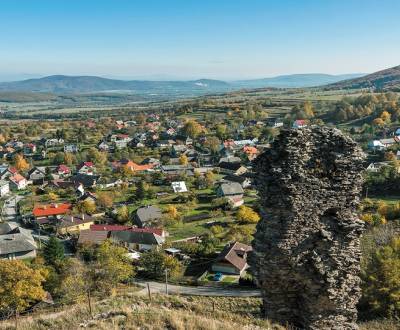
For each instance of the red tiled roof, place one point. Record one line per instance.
(52, 209)
(301, 122)
(132, 165)
(250, 150)
(12, 170)
(17, 178)
(88, 164)
(63, 168)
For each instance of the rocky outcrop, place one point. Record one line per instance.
(307, 246)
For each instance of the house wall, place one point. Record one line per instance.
(225, 268)
(4, 190)
(19, 255)
(75, 229)
(145, 247)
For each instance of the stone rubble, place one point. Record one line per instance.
(306, 255)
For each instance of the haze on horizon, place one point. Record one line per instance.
(225, 39)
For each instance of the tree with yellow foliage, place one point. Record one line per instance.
(308, 109)
(172, 212)
(385, 116)
(114, 265)
(192, 128)
(20, 163)
(378, 122)
(86, 206)
(21, 286)
(183, 160)
(247, 215)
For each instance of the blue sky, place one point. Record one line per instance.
(225, 39)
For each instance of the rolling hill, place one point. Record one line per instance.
(295, 80)
(384, 80)
(60, 84)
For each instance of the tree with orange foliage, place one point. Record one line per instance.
(20, 163)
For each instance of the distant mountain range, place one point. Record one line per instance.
(87, 84)
(384, 80)
(60, 84)
(296, 80)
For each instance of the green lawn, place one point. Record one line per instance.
(387, 199)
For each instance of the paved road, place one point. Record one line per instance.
(200, 290)
(10, 215)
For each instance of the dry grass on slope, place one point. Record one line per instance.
(172, 312)
(133, 311)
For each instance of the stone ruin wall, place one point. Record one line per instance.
(307, 245)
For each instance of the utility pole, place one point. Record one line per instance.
(40, 241)
(166, 281)
(148, 290)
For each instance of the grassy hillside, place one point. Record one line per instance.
(387, 80)
(135, 311)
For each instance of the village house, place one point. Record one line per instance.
(232, 168)
(7, 171)
(103, 146)
(86, 168)
(299, 123)
(179, 187)
(376, 145)
(99, 233)
(63, 171)
(233, 191)
(230, 189)
(37, 174)
(29, 149)
(73, 224)
(177, 170)
(16, 243)
(51, 142)
(137, 241)
(44, 214)
(17, 182)
(87, 181)
(145, 216)
(71, 148)
(377, 166)
(4, 188)
(251, 152)
(132, 166)
(275, 123)
(232, 259)
(120, 141)
(242, 180)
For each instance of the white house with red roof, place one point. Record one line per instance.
(17, 182)
(86, 168)
(63, 170)
(300, 123)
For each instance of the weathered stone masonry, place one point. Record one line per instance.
(306, 249)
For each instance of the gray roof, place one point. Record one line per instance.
(6, 227)
(69, 220)
(231, 188)
(148, 213)
(136, 237)
(92, 236)
(16, 240)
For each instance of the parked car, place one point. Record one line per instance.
(218, 277)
